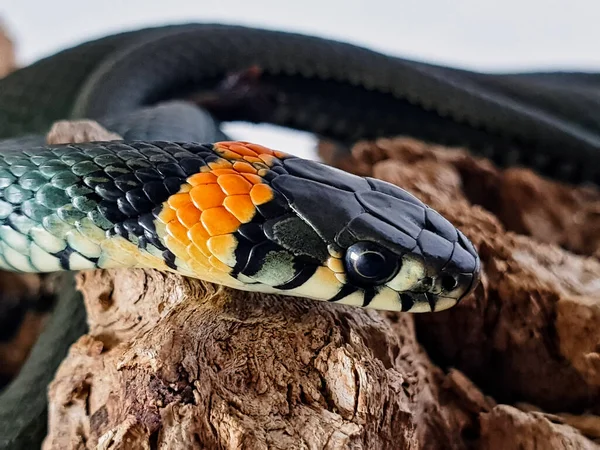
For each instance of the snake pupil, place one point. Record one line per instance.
(367, 263)
(370, 264)
(448, 282)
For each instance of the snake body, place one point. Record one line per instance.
(233, 213)
(240, 214)
(547, 121)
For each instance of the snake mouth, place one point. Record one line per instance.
(387, 299)
(416, 302)
(436, 301)
(423, 302)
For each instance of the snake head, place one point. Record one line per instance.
(272, 222)
(388, 249)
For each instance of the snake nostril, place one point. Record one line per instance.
(427, 282)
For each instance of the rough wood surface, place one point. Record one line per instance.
(7, 52)
(78, 131)
(177, 363)
(530, 333)
(506, 427)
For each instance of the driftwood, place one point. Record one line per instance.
(7, 53)
(530, 333)
(178, 363)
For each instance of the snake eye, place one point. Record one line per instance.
(448, 282)
(368, 263)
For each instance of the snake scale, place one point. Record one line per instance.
(176, 195)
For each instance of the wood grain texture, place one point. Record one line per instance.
(177, 363)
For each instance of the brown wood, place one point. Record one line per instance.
(7, 52)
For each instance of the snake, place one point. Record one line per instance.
(546, 121)
(176, 194)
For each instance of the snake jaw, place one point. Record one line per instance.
(411, 272)
(420, 288)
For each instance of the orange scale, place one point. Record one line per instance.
(267, 159)
(234, 184)
(198, 254)
(167, 214)
(219, 172)
(241, 207)
(220, 164)
(180, 200)
(280, 155)
(242, 150)
(254, 179)
(214, 261)
(225, 143)
(176, 247)
(261, 193)
(219, 221)
(207, 196)
(198, 235)
(229, 154)
(189, 215)
(223, 247)
(220, 148)
(253, 159)
(244, 167)
(178, 231)
(260, 149)
(202, 178)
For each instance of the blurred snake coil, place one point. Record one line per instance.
(176, 195)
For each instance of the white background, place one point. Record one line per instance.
(474, 34)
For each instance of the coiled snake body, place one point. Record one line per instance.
(238, 213)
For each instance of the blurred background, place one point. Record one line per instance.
(509, 35)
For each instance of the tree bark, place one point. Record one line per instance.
(7, 52)
(172, 362)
